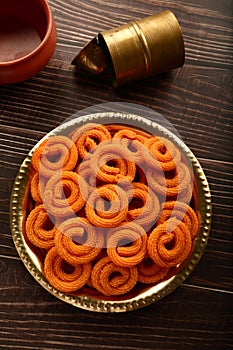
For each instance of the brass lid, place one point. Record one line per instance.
(144, 47)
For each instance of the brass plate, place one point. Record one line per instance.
(140, 297)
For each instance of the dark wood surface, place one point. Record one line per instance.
(197, 100)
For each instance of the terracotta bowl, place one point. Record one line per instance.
(27, 38)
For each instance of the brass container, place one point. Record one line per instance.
(144, 47)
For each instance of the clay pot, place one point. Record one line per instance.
(27, 38)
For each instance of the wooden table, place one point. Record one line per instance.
(197, 100)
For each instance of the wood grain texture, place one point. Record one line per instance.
(197, 100)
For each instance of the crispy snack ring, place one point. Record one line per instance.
(133, 141)
(111, 163)
(146, 211)
(38, 184)
(28, 205)
(110, 279)
(118, 248)
(112, 197)
(55, 153)
(130, 135)
(114, 128)
(85, 172)
(182, 212)
(185, 196)
(149, 272)
(138, 151)
(39, 229)
(62, 276)
(163, 151)
(87, 137)
(170, 184)
(169, 244)
(145, 158)
(65, 194)
(77, 242)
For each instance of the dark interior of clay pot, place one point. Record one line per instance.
(23, 25)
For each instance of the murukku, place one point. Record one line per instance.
(65, 194)
(173, 183)
(127, 244)
(28, 204)
(129, 134)
(110, 279)
(181, 211)
(88, 136)
(163, 151)
(55, 153)
(40, 229)
(169, 244)
(136, 145)
(107, 206)
(111, 163)
(84, 170)
(114, 128)
(132, 141)
(149, 272)
(144, 205)
(77, 241)
(184, 196)
(38, 184)
(137, 150)
(63, 276)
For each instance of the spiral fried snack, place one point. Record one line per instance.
(115, 128)
(138, 151)
(62, 276)
(38, 184)
(107, 206)
(40, 230)
(136, 144)
(169, 244)
(111, 163)
(28, 205)
(182, 212)
(77, 242)
(127, 245)
(129, 134)
(55, 153)
(110, 279)
(144, 206)
(149, 272)
(185, 196)
(65, 194)
(87, 137)
(85, 172)
(172, 184)
(163, 151)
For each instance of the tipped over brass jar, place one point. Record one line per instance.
(137, 50)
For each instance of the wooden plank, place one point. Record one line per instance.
(197, 100)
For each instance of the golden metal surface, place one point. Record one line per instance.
(145, 47)
(91, 58)
(139, 297)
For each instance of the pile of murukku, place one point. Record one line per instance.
(109, 208)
